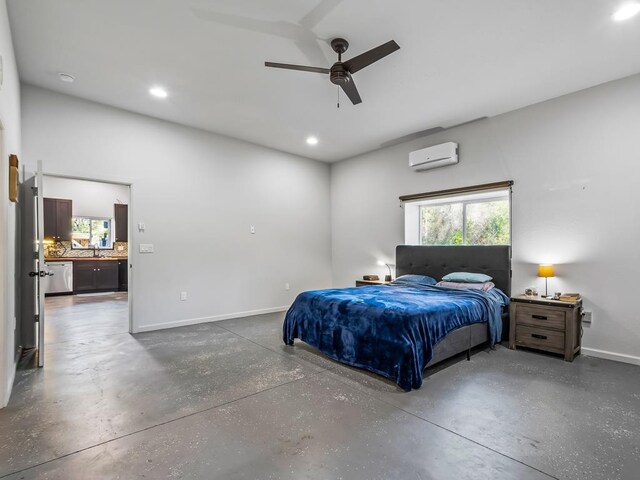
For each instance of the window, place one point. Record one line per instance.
(90, 233)
(471, 219)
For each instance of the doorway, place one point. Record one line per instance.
(82, 281)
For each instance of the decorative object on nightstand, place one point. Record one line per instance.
(363, 283)
(371, 277)
(389, 277)
(569, 297)
(545, 324)
(546, 270)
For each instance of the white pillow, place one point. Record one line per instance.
(485, 287)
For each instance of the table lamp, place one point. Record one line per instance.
(545, 270)
(389, 277)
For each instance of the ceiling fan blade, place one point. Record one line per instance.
(301, 68)
(351, 91)
(367, 58)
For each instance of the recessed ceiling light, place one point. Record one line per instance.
(158, 92)
(626, 11)
(66, 77)
(312, 140)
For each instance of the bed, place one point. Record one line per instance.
(400, 329)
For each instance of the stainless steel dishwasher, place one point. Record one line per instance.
(61, 280)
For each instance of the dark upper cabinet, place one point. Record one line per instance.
(121, 217)
(63, 222)
(57, 214)
(50, 218)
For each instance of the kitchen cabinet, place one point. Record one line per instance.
(84, 277)
(95, 276)
(123, 275)
(49, 218)
(57, 213)
(121, 217)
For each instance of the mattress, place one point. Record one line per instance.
(391, 329)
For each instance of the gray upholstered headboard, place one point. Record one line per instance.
(436, 262)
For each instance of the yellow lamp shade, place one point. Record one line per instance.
(545, 270)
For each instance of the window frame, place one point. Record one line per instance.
(467, 198)
(91, 220)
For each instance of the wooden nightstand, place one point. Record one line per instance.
(546, 324)
(363, 283)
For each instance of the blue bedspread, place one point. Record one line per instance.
(389, 329)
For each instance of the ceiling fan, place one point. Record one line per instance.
(340, 72)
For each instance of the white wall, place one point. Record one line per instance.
(198, 193)
(90, 199)
(10, 143)
(575, 161)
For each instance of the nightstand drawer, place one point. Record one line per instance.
(540, 316)
(541, 338)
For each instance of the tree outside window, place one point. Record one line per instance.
(473, 222)
(89, 233)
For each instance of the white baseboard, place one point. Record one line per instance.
(215, 318)
(618, 357)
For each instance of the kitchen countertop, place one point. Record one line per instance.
(83, 259)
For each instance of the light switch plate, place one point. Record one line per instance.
(146, 248)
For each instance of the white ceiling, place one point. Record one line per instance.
(459, 60)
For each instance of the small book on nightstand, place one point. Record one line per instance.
(363, 283)
(570, 297)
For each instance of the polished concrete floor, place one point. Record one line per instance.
(228, 400)
(76, 318)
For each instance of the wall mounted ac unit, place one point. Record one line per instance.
(432, 157)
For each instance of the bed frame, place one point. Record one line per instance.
(436, 262)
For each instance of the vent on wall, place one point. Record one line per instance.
(433, 157)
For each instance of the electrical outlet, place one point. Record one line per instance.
(286, 286)
(253, 229)
(587, 318)
(183, 296)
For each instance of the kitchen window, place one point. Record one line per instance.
(475, 218)
(91, 233)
